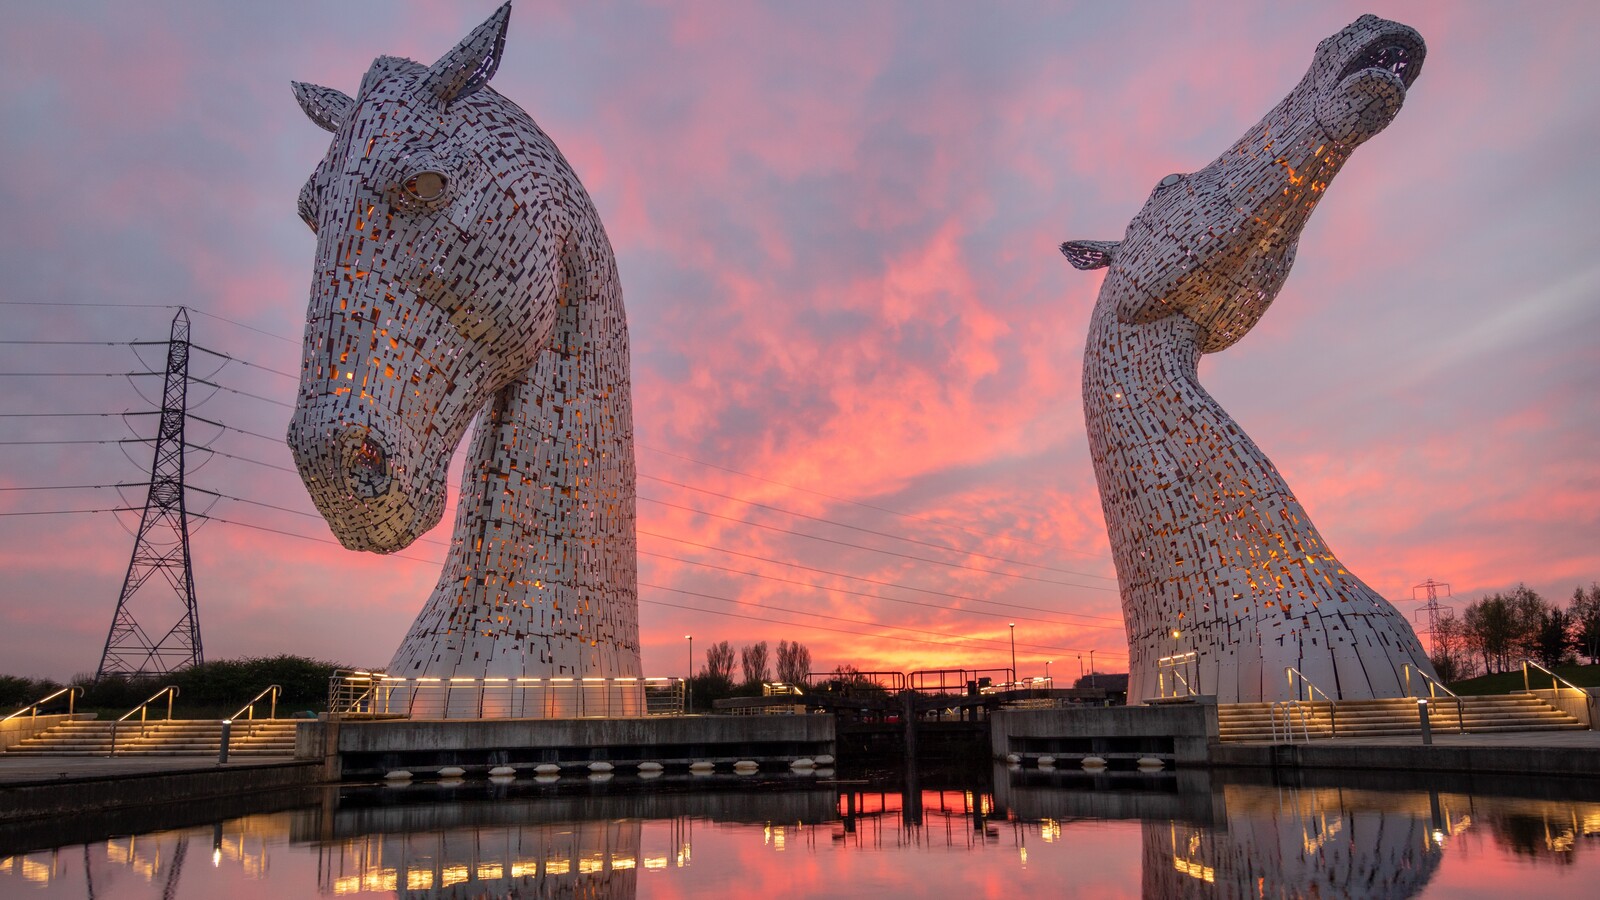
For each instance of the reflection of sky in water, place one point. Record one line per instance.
(1038, 837)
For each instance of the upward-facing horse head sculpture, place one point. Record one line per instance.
(462, 269)
(1214, 553)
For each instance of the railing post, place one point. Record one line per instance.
(1422, 719)
(1525, 687)
(227, 733)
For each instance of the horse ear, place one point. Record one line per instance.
(326, 107)
(472, 62)
(1090, 254)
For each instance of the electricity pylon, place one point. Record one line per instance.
(161, 547)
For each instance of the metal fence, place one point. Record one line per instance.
(361, 694)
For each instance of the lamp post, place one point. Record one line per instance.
(1091, 668)
(1013, 651)
(688, 703)
(1047, 669)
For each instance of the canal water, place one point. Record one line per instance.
(1002, 834)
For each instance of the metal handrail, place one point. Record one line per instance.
(249, 709)
(33, 711)
(1435, 687)
(1289, 708)
(142, 709)
(1556, 679)
(1434, 690)
(1311, 691)
(1165, 663)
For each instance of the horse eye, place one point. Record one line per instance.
(1170, 180)
(426, 186)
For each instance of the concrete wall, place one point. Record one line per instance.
(1577, 705)
(364, 748)
(69, 796)
(1111, 732)
(15, 731)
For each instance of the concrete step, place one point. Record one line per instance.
(1357, 718)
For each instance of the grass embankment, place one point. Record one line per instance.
(1506, 682)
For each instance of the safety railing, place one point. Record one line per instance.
(1436, 690)
(350, 691)
(143, 709)
(1556, 680)
(1179, 669)
(248, 711)
(33, 710)
(361, 694)
(1299, 684)
(956, 681)
(1289, 708)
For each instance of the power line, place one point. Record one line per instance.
(949, 639)
(242, 362)
(70, 512)
(78, 374)
(240, 393)
(836, 590)
(937, 562)
(200, 312)
(63, 415)
(36, 443)
(80, 343)
(73, 487)
(890, 637)
(863, 504)
(864, 578)
(799, 515)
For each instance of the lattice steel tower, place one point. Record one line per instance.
(1434, 611)
(161, 546)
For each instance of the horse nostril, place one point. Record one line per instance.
(368, 470)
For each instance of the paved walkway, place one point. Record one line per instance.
(20, 770)
(1588, 740)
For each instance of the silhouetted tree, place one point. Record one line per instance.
(1452, 655)
(1491, 629)
(1585, 610)
(794, 662)
(1553, 640)
(753, 659)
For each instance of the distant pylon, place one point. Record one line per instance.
(1433, 609)
(161, 546)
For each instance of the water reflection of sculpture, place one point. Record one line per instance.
(1213, 551)
(598, 859)
(1289, 843)
(462, 269)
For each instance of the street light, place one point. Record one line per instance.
(688, 680)
(1013, 651)
(1091, 668)
(1047, 669)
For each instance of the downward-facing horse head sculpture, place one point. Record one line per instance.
(462, 269)
(1214, 554)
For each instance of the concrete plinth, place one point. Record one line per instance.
(1177, 732)
(356, 749)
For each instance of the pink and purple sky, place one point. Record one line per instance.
(836, 225)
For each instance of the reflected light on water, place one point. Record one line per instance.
(1033, 835)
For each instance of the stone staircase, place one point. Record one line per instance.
(179, 737)
(1397, 716)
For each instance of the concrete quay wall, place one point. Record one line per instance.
(69, 796)
(1511, 759)
(1180, 733)
(354, 748)
(15, 731)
